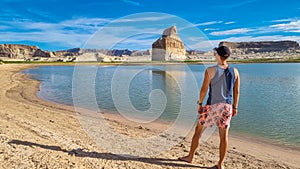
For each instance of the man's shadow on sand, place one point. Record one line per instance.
(109, 156)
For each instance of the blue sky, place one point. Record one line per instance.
(57, 25)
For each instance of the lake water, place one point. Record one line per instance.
(269, 104)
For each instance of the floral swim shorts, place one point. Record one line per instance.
(219, 113)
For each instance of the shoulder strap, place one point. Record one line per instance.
(230, 79)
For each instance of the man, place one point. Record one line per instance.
(223, 82)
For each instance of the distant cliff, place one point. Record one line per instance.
(240, 50)
(261, 47)
(17, 51)
(253, 50)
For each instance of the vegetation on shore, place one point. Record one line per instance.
(268, 60)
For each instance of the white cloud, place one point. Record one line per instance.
(234, 4)
(72, 33)
(211, 29)
(228, 23)
(29, 25)
(200, 24)
(87, 21)
(194, 39)
(132, 2)
(3, 27)
(283, 20)
(90, 24)
(131, 43)
(135, 37)
(293, 26)
(262, 38)
(143, 19)
(231, 32)
(208, 23)
(204, 45)
(63, 38)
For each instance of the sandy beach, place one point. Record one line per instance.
(38, 134)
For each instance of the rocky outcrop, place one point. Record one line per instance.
(261, 47)
(141, 53)
(41, 53)
(117, 52)
(69, 52)
(15, 51)
(168, 47)
(253, 50)
(80, 51)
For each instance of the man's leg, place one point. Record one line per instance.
(195, 142)
(223, 145)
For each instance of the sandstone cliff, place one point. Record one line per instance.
(168, 47)
(41, 53)
(260, 47)
(252, 50)
(69, 52)
(17, 51)
(263, 49)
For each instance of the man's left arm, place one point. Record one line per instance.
(236, 93)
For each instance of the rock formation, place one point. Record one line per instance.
(41, 53)
(15, 51)
(141, 53)
(261, 47)
(116, 52)
(69, 52)
(252, 50)
(168, 47)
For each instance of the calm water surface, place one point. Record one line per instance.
(269, 101)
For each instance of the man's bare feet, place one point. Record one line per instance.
(187, 159)
(220, 166)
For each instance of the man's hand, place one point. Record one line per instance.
(200, 107)
(234, 112)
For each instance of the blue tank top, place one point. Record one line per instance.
(221, 86)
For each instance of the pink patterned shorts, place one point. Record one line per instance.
(219, 113)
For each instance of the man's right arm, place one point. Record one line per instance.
(205, 85)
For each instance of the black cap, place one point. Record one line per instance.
(223, 51)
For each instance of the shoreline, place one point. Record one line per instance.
(24, 93)
(230, 61)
